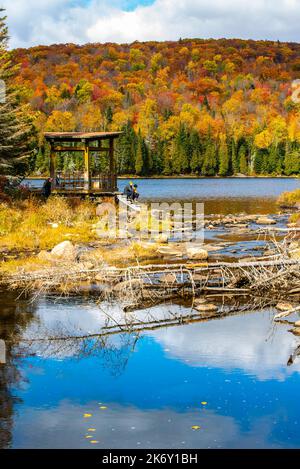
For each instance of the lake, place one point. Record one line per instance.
(147, 389)
(73, 380)
(220, 195)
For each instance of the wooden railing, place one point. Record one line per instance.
(74, 181)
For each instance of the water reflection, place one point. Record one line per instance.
(15, 316)
(145, 390)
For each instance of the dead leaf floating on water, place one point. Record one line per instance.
(196, 427)
(91, 429)
(94, 442)
(204, 403)
(87, 416)
(103, 407)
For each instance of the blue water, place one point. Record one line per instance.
(213, 188)
(207, 188)
(153, 386)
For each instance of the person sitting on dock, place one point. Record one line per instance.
(135, 194)
(47, 188)
(128, 191)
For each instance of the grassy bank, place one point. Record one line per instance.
(291, 200)
(32, 224)
(29, 229)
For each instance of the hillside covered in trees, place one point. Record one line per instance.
(205, 107)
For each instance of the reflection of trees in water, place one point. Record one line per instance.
(112, 350)
(15, 315)
(118, 334)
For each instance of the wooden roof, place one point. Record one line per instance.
(69, 136)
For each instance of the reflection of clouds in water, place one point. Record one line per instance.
(129, 427)
(73, 326)
(246, 342)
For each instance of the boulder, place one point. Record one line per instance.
(297, 324)
(206, 308)
(44, 256)
(196, 252)
(284, 306)
(199, 301)
(64, 251)
(172, 251)
(265, 221)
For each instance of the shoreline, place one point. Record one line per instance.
(124, 177)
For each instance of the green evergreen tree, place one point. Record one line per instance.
(244, 169)
(126, 150)
(258, 162)
(292, 162)
(167, 163)
(209, 167)
(181, 152)
(196, 162)
(139, 162)
(158, 158)
(16, 127)
(41, 162)
(223, 159)
(235, 166)
(273, 159)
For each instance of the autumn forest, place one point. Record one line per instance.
(202, 107)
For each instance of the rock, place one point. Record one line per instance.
(284, 306)
(65, 251)
(54, 225)
(88, 265)
(200, 301)
(297, 324)
(169, 251)
(295, 331)
(168, 278)
(44, 256)
(196, 252)
(265, 221)
(206, 308)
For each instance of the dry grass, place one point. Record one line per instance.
(30, 224)
(289, 199)
(28, 264)
(295, 218)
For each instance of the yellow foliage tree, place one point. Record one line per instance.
(60, 121)
(264, 139)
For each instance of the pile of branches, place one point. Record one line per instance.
(278, 278)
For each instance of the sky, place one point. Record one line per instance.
(35, 22)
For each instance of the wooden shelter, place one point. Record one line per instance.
(83, 163)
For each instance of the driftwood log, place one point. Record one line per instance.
(275, 278)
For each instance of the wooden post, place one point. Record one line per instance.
(87, 181)
(53, 165)
(112, 164)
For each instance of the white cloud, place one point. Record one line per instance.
(245, 342)
(35, 22)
